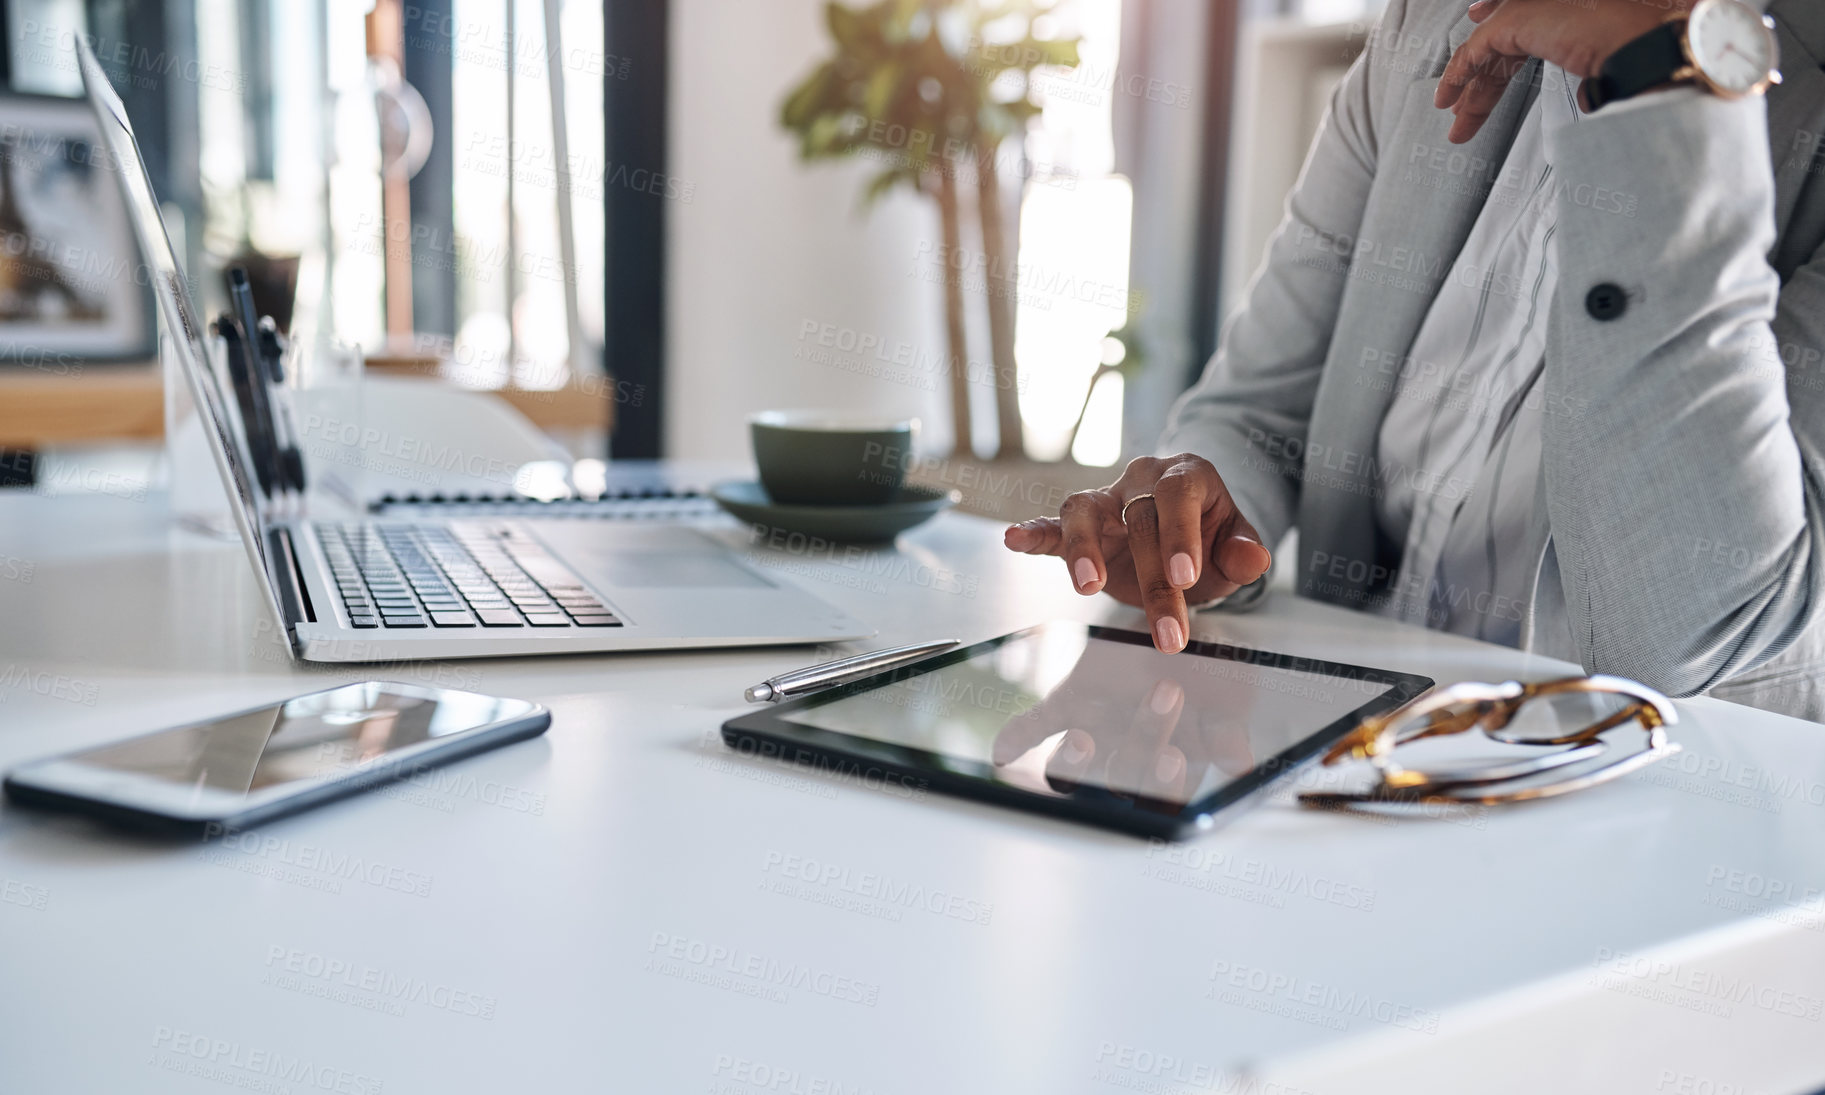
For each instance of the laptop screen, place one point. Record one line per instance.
(184, 328)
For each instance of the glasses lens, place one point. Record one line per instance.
(1552, 718)
(1446, 720)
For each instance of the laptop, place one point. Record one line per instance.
(382, 590)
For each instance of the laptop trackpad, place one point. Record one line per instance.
(656, 570)
(647, 557)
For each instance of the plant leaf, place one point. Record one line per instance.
(881, 185)
(914, 79)
(845, 25)
(881, 88)
(822, 136)
(1050, 51)
(796, 112)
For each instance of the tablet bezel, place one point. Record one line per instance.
(770, 733)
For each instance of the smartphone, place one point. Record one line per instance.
(252, 766)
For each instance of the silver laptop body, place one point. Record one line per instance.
(368, 590)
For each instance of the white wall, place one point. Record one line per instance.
(1288, 73)
(768, 246)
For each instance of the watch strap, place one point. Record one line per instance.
(1645, 62)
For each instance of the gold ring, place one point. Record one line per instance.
(1131, 502)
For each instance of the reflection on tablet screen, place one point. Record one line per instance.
(1055, 710)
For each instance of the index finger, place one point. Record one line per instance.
(1457, 73)
(1470, 59)
(1163, 601)
(1081, 521)
(1480, 71)
(1180, 496)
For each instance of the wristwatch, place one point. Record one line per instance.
(1724, 46)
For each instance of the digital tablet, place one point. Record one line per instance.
(1081, 722)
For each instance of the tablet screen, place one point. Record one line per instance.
(1063, 708)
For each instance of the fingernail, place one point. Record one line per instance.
(1179, 570)
(1167, 768)
(1167, 636)
(1086, 573)
(1073, 751)
(1166, 694)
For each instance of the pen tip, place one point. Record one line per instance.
(760, 693)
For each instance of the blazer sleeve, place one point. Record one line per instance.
(1255, 397)
(1685, 435)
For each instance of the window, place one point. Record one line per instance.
(511, 317)
(1076, 226)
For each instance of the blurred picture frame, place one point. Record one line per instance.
(73, 288)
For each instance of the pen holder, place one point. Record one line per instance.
(329, 409)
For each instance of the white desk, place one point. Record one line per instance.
(574, 888)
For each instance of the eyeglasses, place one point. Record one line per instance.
(1533, 715)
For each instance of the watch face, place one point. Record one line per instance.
(1730, 45)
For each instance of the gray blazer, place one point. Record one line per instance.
(1684, 468)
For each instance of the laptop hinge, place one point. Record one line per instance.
(294, 596)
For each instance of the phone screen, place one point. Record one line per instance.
(311, 737)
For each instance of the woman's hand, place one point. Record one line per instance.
(1578, 37)
(1183, 538)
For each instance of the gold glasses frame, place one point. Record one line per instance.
(1492, 708)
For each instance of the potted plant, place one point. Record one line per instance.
(933, 89)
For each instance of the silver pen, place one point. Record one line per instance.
(823, 675)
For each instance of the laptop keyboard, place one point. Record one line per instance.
(428, 576)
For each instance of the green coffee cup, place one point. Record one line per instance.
(831, 458)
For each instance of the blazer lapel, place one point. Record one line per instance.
(1427, 195)
(1796, 120)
